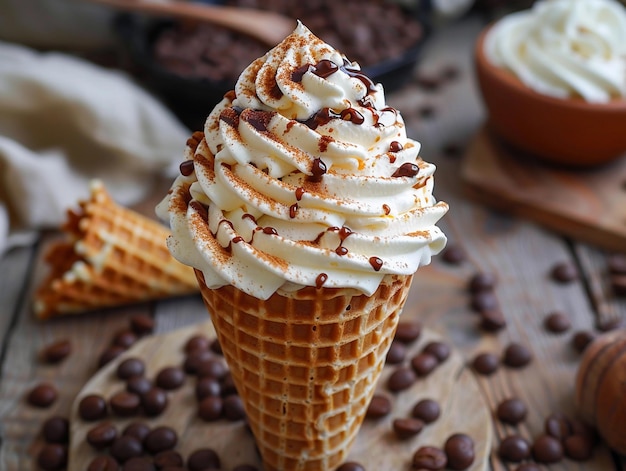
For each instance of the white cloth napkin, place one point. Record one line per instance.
(65, 121)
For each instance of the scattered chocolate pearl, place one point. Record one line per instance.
(557, 322)
(197, 342)
(203, 459)
(379, 406)
(492, 320)
(558, 426)
(617, 264)
(407, 427)
(168, 458)
(125, 339)
(528, 467)
(194, 359)
(206, 387)
(142, 324)
(160, 438)
(139, 385)
(186, 167)
(426, 111)
(402, 378)
(92, 407)
(154, 402)
(618, 284)
(452, 149)
(52, 457)
(564, 272)
(210, 408)
(429, 458)
(125, 447)
(424, 363)
(426, 410)
(213, 367)
(453, 255)
(170, 378)
(124, 403)
(517, 356)
(102, 435)
(56, 430)
(606, 325)
(450, 72)
(485, 363)
(233, 407)
(483, 281)
(459, 450)
(440, 350)
(110, 354)
(547, 449)
(130, 367)
(484, 301)
(103, 463)
(514, 448)
(215, 347)
(228, 385)
(581, 339)
(511, 411)
(139, 430)
(428, 83)
(351, 466)
(43, 395)
(408, 331)
(56, 352)
(139, 463)
(396, 353)
(578, 447)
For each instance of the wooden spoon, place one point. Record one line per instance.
(268, 27)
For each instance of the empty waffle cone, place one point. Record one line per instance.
(306, 365)
(115, 256)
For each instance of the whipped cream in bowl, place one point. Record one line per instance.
(565, 48)
(553, 80)
(303, 176)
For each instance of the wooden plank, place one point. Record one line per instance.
(375, 445)
(89, 334)
(16, 264)
(588, 205)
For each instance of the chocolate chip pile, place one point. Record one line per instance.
(367, 32)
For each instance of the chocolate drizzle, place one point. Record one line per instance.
(258, 119)
(293, 210)
(386, 209)
(320, 280)
(376, 263)
(270, 231)
(186, 168)
(300, 192)
(318, 169)
(407, 169)
(395, 146)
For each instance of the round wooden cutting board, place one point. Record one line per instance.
(377, 447)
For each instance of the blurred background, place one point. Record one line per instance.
(189, 65)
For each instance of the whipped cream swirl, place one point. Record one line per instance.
(303, 177)
(565, 48)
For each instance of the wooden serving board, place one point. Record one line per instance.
(586, 204)
(452, 384)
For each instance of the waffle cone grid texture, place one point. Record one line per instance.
(306, 366)
(115, 256)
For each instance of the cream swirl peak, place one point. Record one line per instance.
(565, 48)
(303, 176)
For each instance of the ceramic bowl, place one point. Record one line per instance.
(570, 131)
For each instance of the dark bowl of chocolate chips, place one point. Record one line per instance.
(191, 66)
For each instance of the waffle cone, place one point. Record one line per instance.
(115, 256)
(306, 365)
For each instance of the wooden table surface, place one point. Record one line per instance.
(520, 253)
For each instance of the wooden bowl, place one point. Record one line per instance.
(570, 131)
